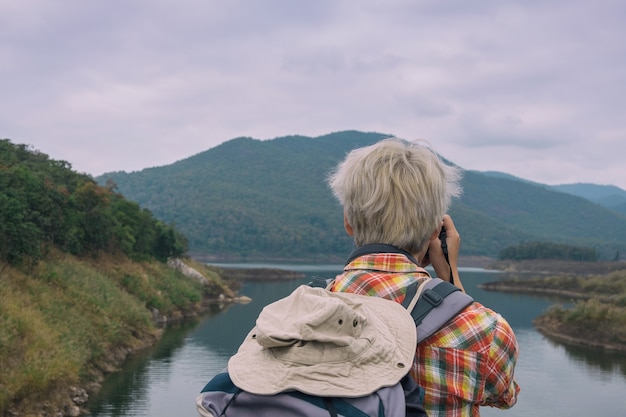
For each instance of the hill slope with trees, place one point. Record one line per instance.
(83, 282)
(45, 204)
(608, 196)
(252, 199)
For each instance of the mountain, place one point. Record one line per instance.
(504, 175)
(252, 199)
(608, 196)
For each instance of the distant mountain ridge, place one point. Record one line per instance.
(248, 199)
(609, 196)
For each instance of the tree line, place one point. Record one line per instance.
(547, 250)
(44, 204)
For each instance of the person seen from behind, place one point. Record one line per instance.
(395, 195)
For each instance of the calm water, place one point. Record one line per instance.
(556, 380)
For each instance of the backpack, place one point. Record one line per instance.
(431, 306)
(221, 397)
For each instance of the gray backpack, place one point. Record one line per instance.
(431, 305)
(220, 397)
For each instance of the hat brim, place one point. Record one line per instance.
(390, 341)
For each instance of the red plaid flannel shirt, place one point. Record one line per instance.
(468, 363)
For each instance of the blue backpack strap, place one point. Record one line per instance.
(330, 406)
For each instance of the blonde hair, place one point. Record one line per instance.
(395, 192)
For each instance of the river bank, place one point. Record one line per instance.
(67, 324)
(560, 332)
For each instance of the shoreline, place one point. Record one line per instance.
(70, 399)
(551, 330)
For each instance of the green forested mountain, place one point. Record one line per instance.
(608, 196)
(252, 199)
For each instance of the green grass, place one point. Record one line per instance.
(62, 319)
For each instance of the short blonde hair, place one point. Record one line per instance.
(395, 192)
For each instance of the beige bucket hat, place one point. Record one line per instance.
(327, 344)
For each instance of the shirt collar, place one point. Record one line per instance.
(372, 248)
(385, 258)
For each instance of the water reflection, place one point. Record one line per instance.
(601, 363)
(128, 392)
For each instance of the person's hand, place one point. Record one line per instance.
(444, 267)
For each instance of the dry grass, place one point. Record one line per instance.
(62, 319)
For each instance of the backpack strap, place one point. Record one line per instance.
(330, 406)
(437, 303)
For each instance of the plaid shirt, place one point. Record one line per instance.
(466, 364)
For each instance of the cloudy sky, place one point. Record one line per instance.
(534, 88)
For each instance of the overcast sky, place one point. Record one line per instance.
(534, 88)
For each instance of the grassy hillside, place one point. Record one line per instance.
(68, 321)
(83, 281)
(251, 199)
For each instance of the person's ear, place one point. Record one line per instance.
(347, 226)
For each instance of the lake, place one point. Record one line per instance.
(556, 380)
